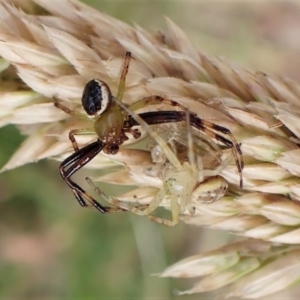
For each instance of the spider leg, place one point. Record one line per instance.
(124, 72)
(74, 132)
(146, 211)
(175, 214)
(207, 128)
(201, 142)
(191, 153)
(70, 111)
(114, 201)
(193, 166)
(153, 100)
(80, 131)
(152, 206)
(75, 162)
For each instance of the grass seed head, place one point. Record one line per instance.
(55, 56)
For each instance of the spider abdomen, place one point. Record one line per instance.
(210, 190)
(96, 97)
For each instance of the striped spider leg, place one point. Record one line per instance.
(181, 183)
(210, 129)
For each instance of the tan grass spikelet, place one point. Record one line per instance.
(253, 268)
(54, 55)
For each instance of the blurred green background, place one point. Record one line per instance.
(51, 248)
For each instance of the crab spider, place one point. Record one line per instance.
(183, 183)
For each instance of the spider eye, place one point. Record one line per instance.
(96, 97)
